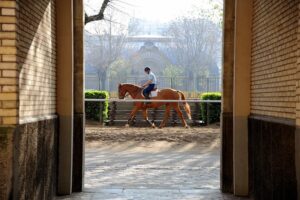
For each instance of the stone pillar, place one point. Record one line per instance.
(227, 105)
(65, 109)
(78, 158)
(241, 95)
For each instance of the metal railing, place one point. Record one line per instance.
(184, 83)
(198, 84)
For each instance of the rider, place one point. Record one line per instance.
(150, 84)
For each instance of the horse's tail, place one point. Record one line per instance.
(186, 106)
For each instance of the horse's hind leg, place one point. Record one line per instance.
(132, 115)
(177, 109)
(166, 116)
(145, 114)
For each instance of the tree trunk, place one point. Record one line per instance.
(103, 80)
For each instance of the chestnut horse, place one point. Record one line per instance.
(164, 94)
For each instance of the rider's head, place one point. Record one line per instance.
(147, 70)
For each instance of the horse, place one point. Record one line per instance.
(136, 92)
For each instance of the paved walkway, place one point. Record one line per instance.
(151, 171)
(151, 194)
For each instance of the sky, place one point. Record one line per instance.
(152, 10)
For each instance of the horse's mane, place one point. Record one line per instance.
(130, 84)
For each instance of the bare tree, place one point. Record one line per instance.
(99, 15)
(197, 40)
(196, 44)
(115, 5)
(105, 47)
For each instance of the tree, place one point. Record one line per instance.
(134, 26)
(107, 42)
(172, 71)
(105, 47)
(118, 73)
(99, 15)
(197, 41)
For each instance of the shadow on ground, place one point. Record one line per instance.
(167, 164)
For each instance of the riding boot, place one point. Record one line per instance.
(147, 97)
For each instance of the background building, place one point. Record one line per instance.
(156, 45)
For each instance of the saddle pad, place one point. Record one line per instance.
(154, 93)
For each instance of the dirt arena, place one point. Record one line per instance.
(173, 163)
(204, 136)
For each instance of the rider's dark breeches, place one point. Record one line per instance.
(147, 90)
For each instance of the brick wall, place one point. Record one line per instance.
(298, 86)
(8, 64)
(274, 58)
(36, 57)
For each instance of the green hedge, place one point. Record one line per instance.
(92, 109)
(214, 108)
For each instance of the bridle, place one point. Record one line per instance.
(127, 93)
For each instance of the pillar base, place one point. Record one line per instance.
(227, 153)
(272, 158)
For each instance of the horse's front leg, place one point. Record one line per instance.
(132, 115)
(145, 114)
(166, 116)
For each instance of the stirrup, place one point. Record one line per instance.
(147, 102)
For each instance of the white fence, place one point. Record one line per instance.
(154, 100)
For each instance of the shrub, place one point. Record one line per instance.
(92, 109)
(214, 108)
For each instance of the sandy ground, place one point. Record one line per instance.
(173, 163)
(131, 157)
(145, 157)
(202, 135)
(159, 164)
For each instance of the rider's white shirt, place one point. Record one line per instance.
(152, 77)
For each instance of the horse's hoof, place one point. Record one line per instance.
(153, 126)
(186, 126)
(126, 125)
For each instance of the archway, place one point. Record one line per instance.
(76, 150)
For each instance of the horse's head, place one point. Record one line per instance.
(122, 91)
(131, 89)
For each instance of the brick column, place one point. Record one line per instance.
(241, 95)
(8, 64)
(297, 131)
(8, 94)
